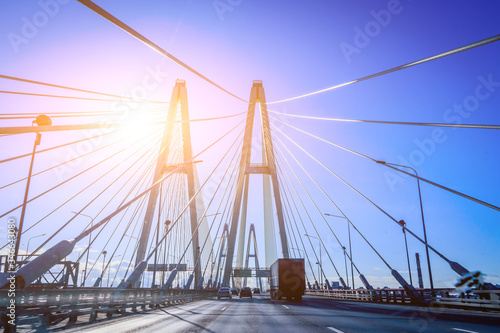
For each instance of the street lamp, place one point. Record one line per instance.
(103, 260)
(350, 246)
(403, 223)
(83, 281)
(172, 256)
(320, 259)
(423, 221)
(109, 270)
(27, 247)
(90, 240)
(197, 259)
(209, 215)
(346, 274)
(319, 274)
(213, 262)
(297, 250)
(167, 223)
(41, 120)
(212, 268)
(130, 236)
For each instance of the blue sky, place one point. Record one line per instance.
(295, 47)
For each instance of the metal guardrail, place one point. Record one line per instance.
(53, 306)
(476, 299)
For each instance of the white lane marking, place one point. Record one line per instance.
(462, 330)
(285, 306)
(335, 330)
(224, 308)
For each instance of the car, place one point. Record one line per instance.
(234, 291)
(256, 291)
(224, 292)
(246, 292)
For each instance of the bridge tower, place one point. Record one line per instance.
(178, 99)
(255, 255)
(268, 169)
(223, 240)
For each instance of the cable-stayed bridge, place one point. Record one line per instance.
(141, 220)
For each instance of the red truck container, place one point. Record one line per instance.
(288, 279)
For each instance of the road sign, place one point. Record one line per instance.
(166, 267)
(242, 272)
(265, 273)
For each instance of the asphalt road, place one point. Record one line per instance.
(313, 314)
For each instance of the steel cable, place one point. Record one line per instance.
(394, 69)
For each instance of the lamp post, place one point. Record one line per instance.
(211, 274)
(403, 223)
(137, 239)
(320, 259)
(109, 270)
(209, 215)
(423, 220)
(167, 223)
(213, 261)
(346, 273)
(41, 120)
(350, 246)
(27, 247)
(103, 260)
(83, 280)
(171, 256)
(90, 241)
(319, 274)
(157, 238)
(186, 273)
(293, 248)
(197, 260)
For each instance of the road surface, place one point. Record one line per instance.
(313, 314)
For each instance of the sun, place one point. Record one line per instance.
(142, 124)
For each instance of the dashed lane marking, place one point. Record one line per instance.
(462, 330)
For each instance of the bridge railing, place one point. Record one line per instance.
(484, 299)
(55, 305)
(478, 299)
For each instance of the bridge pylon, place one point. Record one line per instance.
(221, 254)
(255, 255)
(178, 98)
(268, 169)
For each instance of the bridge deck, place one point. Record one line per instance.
(314, 314)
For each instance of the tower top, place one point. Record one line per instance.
(257, 83)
